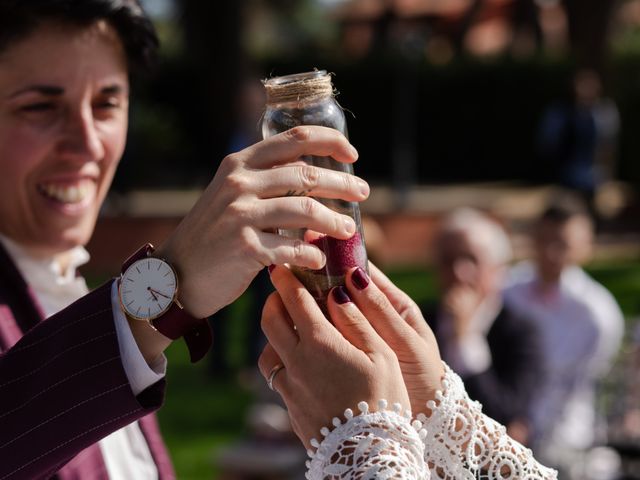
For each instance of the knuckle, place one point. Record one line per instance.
(410, 310)
(298, 249)
(378, 301)
(308, 206)
(348, 182)
(385, 356)
(309, 177)
(249, 245)
(298, 134)
(231, 162)
(237, 183)
(237, 212)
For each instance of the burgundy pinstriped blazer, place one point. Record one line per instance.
(63, 387)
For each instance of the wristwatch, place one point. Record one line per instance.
(148, 291)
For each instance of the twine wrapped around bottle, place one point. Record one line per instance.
(295, 90)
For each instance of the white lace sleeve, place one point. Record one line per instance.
(464, 444)
(382, 445)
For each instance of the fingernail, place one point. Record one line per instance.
(360, 278)
(349, 225)
(340, 295)
(364, 188)
(270, 268)
(354, 152)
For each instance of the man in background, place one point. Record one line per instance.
(581, 327)
(495, 351)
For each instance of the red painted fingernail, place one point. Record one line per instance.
(340, 295)
(360, 278)
(270, 268)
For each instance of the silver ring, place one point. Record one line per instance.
(272, 375)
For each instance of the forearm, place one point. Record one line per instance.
(63, 388)
(151, 343)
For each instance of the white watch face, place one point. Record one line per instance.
(147, 288)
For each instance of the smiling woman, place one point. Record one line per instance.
(81, 372)
(63, 124)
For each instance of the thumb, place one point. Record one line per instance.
(351, 323)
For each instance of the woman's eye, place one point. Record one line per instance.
(38, 107)
(108, 104)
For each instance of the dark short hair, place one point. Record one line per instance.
(564, 208)
(19, 18)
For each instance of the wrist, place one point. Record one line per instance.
(149, 289)
(150, 341)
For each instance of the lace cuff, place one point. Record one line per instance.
(464, 444)
(371, 445)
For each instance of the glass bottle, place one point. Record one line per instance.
(308, 99)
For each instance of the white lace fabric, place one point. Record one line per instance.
(463, 443)
(381, 445)
(459, 443)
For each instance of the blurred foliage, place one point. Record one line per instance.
(493, 104)
(623, 281)
(625, 88)
(200, 414)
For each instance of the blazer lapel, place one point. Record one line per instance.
(151, 432)
(19, 309)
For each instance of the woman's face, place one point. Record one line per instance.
(64, 94)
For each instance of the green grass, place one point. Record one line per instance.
(623, 281)
(200, 414)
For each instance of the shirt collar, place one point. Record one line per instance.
(50, 268)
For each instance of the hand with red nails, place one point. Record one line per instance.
(327, 367)
(227, 238)
(378, 343)
(399, 322)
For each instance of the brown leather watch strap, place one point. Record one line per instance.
(176, 323)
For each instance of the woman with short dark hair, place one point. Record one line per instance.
(81, 372)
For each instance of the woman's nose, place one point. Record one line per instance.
(81, 140)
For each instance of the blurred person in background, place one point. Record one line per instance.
(81, 372)
(578, 137)
(495, 350)
(581, 326)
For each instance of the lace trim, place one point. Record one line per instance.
(464, 444)
(380, 445)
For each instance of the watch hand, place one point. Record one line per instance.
(159, 293)
(151, 291)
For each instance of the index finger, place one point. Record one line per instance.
(401, 302)
(301, 306)
(289, 146)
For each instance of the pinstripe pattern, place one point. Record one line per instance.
(63, 387)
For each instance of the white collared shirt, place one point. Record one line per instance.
(125, 452)
(581, 327)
